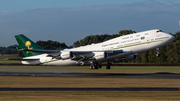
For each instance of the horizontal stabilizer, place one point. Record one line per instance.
(40, 51)
(17, 48)
(23, 59)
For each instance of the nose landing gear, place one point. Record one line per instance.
(157, 52)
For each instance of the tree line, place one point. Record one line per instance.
(8, 50)
(52, 45)
(100, 38)
(168, 54)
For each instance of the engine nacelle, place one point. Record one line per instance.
(100, 55)
(118, 60)
(66, 55)
(130, 57)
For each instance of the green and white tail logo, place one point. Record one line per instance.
(26, 43)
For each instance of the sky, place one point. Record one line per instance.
(71, 20)
(21, 5)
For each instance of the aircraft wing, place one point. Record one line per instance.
(83, 56)
(89, 54)
(74, 52)
(76, 55)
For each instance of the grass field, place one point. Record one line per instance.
(21, 81)
(88, 96)
(13, 56)
(27, 81)
(68, 82)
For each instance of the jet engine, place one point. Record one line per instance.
(66, 55)
(130, 57)
(100, 55)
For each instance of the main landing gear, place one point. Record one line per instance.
(108, 65)
(95, 66)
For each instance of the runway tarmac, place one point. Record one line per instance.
(89, 89)
(160, 75)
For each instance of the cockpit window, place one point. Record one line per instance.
(159, 31)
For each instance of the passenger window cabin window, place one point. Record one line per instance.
(125, 38)
(137, 35)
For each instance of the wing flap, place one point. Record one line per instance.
(89, 54)
(82, 54)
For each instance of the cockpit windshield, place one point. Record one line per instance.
(159, 31)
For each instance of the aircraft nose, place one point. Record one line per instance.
(171, 38)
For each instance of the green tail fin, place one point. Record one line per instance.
(26, 43)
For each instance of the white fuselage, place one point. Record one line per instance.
(130, 44)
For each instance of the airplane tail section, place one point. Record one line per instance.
(26, 43)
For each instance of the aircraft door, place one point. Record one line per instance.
(148, 40)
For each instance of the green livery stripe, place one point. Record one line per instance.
(51, 61)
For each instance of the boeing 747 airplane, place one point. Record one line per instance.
(121, 48)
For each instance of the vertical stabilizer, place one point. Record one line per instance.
(26, 43)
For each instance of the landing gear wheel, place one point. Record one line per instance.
(157, 55)
(100, 66)
(90, 67)
(96, 65)
(108, 67)
(157, 52)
